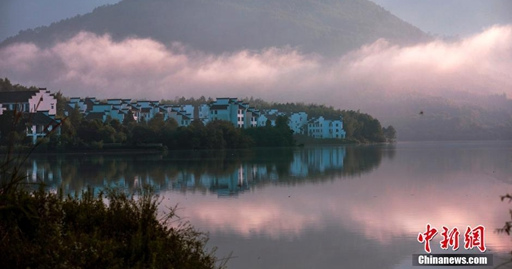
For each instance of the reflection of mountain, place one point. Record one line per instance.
(225, 173)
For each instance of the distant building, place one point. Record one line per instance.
(40, 124)
(229, 109)
(38, 107)
(28, 101)
(240, 114)
(322, 128)
(204, 113)
(298, 122)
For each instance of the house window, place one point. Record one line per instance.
(52, 106)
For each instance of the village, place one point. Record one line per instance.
(40, 106)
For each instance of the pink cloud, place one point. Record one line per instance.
(92, 65)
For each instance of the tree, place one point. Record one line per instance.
(142, 134)
(61, 104)
(12, 127)
(6, 85)
(389, 133)
(128, 118)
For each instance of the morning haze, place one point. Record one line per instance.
(347, 54)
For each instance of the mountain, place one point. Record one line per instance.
(469, 117)
(328, 27)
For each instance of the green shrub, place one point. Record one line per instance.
(110, 229)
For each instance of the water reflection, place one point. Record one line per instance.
(371, 222)
(224, 173)
(329, 207)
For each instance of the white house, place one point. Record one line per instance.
(204, 113)
(262, 120)
(40, 125)
(251, 117)
(298, 122)
(28, 101)
(229, 109)
(322, 128)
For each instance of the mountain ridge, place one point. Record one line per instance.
(329, 27)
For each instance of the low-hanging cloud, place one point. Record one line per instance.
(92, 65)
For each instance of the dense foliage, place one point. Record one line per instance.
(79, 133)
(6, 86)
(360, 127)
(40, 229)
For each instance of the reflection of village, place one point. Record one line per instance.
(246, 175)
(241, 176)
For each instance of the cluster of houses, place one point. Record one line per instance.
(41, 106)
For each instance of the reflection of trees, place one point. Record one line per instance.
(203, 171)
(362, 159)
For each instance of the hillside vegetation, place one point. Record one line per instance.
(329, 27)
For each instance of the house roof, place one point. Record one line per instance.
(218, 106)
(271, 117)
(95, 116)
(40, 118)
(16, 96)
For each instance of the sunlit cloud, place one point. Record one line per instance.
(92, 65)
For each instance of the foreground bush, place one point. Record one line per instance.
(39, 229)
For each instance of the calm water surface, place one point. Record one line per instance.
(315, 207)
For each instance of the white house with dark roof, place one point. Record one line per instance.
(40, 124)
(228, 109)
(28, 101)
(251, 117)
(322, 128)
(177, 113)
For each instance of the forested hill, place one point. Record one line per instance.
(329, 27)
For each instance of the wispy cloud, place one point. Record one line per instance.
(91, 65)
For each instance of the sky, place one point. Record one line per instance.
(17, 15)
(458, 18)
(438, 17)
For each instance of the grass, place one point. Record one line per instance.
(109, 229)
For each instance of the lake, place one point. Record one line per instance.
(315, 207)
